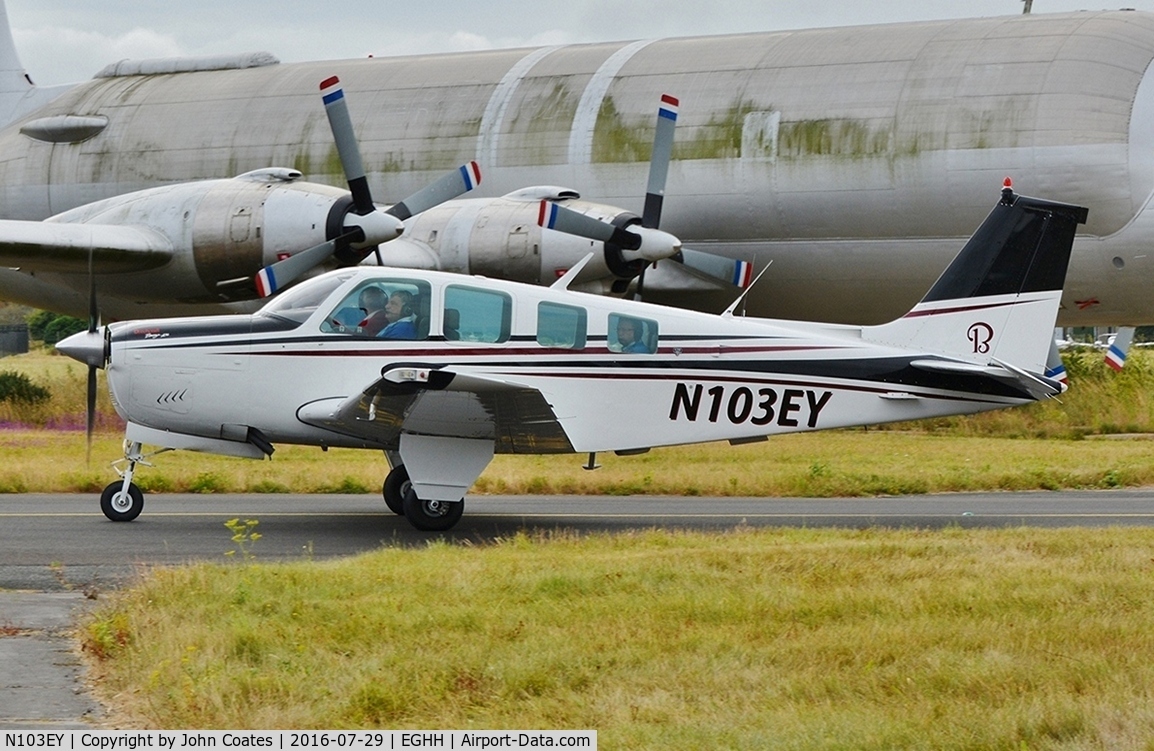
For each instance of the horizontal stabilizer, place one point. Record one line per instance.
(1039, 387)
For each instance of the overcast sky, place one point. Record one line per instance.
(62, 41)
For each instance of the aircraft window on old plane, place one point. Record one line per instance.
(630, 335)
(483, 315)
(561, 326)
(298, 303)
(383, 309)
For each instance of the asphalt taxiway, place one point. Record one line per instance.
(50, 541)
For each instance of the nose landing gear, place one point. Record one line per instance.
(122, 501)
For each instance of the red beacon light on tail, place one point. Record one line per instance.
(1007, 191)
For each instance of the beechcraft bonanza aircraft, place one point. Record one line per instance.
(480, 366)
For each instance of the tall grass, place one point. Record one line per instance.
(815, 639)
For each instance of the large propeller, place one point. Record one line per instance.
(356, 226)
(634, 244)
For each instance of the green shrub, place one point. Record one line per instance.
(17, 387)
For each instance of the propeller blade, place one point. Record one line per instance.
(90, 419)
(555, 217)
(90, 408)
(447, 187)
(1119, 347)
(727, 270)
(276, 276)
(659, 161)
(350, 153)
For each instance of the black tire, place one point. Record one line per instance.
(120, 507)
(394, 489)
(432, 516)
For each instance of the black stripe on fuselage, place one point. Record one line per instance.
(888, 371)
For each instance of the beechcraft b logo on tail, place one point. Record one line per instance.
(980, 335)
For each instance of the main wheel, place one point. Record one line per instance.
(432, 516)
(396, 485)
(120, 506)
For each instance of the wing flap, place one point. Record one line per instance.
(60, 247)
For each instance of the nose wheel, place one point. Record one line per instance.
(122, 501)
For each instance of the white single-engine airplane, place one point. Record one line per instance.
(492, 366)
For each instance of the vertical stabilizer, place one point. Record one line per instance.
(998, 300)
(14, 81)
(18, 95)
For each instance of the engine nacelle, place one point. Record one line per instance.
(500, 237)
(223, 231)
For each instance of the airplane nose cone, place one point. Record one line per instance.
(86, 346)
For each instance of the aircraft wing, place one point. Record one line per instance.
(60, 247)
(442, 402)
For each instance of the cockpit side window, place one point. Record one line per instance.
(561, 326)
(480, 315)
(632, 336)
(382, 309)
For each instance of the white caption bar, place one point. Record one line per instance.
(278, 740)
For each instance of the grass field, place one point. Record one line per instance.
(754, 639)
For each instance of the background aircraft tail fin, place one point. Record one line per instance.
(998, 299)
(1119, 347)
(18, 95)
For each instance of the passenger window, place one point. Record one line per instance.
(560, 326)
(383, 309)
(630, 335)
(482, 315)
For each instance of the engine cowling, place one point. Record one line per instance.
(500, 237)
(224, 231)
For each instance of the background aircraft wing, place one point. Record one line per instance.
(443, 402)
(51, 246)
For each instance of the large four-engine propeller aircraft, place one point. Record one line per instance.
(828, 152)
(460, 368)
(203, 242)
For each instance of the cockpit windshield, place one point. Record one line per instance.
(298, 303)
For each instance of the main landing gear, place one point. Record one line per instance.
(427, 516)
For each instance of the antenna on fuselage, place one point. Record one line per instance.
(728, 312)
(564, 281)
